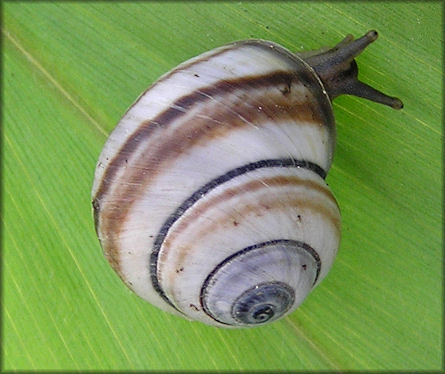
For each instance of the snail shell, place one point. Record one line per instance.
(209, 196)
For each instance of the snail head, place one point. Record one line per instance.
(338, 70)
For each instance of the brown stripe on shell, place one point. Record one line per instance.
(188, 65)
(268, 202)
(265, 45)
(317, 111)
(279, 105)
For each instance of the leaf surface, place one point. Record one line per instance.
(71, 69)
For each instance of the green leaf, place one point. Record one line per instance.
(70, 70)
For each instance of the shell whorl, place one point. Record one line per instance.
(219, 164)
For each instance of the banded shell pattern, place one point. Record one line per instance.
(209, 196)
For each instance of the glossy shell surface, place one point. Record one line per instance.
(209, 196)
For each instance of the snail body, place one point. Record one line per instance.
(209, 196)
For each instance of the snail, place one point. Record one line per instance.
(209, 196)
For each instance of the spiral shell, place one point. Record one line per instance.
(209, 195)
